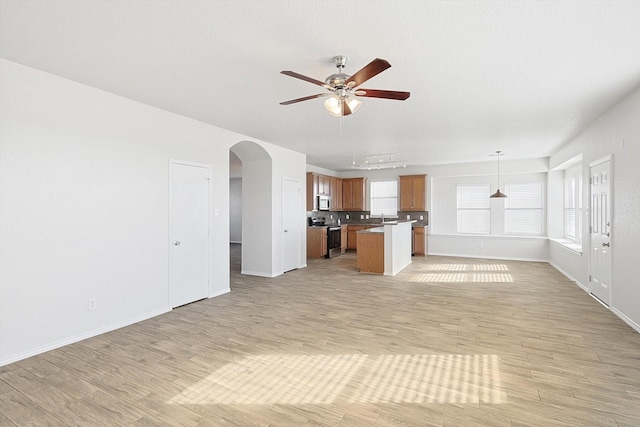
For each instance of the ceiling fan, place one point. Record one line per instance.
(344, 89)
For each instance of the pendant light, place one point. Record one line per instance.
(498, 194)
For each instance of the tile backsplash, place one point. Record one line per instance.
(363, 217)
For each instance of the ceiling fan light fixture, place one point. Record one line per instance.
(353, 103)
(332, 105)
(343, 87)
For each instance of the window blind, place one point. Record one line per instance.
(384, 198)
(473, 209)
(570, 208)
(523, 208)
(573, 205)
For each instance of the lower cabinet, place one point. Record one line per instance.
(316, 242)
(419, 235)
(352, 235)
(344, 235)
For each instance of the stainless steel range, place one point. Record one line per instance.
(334, 236)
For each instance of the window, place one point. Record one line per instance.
(573, 205)
(384, 198)
(523, 208)
(474, 208)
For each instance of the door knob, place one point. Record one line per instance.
(285, 230)
(176, 243)
(606, 244)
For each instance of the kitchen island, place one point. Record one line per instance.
(385, 249)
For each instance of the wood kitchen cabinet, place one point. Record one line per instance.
(352, 236)
(413, 192)
(336, 194)
(419, 241)
(316, 242)
(353, 194)
(312, 191)
(343, 238)
(325, 185)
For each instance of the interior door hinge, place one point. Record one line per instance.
(591, 229)
(589, 277)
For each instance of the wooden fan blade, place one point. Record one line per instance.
(306, 98)
(387, 94)
(374, 68)
(301, 77)
(345, 109)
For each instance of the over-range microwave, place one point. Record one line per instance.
(323, 203)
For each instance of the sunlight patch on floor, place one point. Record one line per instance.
(462, 277)
(323, 379)
(465, 267)
(419, 379)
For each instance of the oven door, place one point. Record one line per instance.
(333, 241)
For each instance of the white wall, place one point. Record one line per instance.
(441, 204)
(256, 233)
(291, 165)
(235, 210)
(617, 133)
(84, 209)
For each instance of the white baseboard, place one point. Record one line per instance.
(626, 320)
(615, 311)
(258, 273)
(220, 292)
(568, 276)
(83, 336)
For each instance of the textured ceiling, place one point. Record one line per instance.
(522, 77)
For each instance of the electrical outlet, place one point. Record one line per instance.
(330, 216)
(347, 216)
(92, 303)
(421, 217)
(408, 216)
(361, 216)
(367, 216)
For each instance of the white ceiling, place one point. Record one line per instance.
(520, 76)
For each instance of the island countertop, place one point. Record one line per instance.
(385, 249)
(380, 229)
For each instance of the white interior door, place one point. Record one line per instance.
(189, 245)
(291, 213)
(600, 230)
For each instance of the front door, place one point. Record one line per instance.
(291, 215)
(189, 243)
(600, 229)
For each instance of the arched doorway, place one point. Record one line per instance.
(255, 233)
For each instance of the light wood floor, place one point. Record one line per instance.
(448, 342)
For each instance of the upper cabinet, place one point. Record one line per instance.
(325, 185)
(336, 194)
(312, 191)
(413, 190)
(353, 194)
